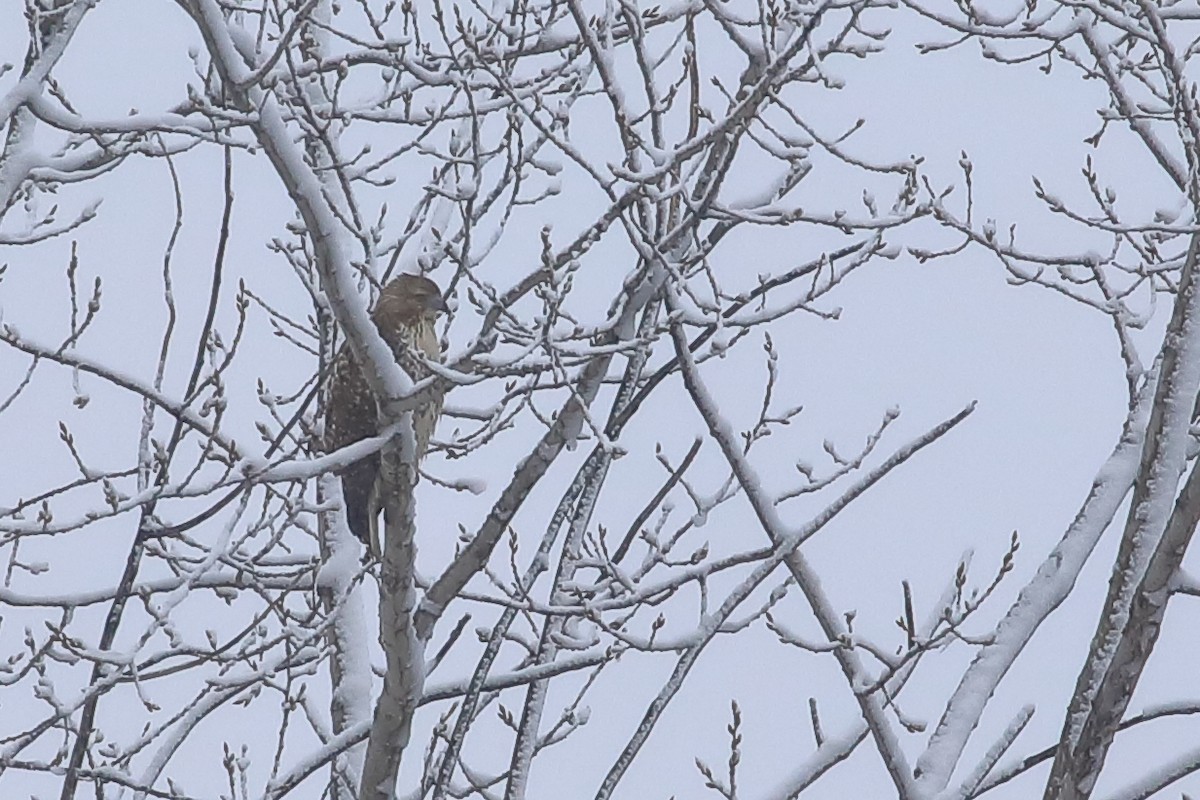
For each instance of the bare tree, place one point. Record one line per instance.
(590, 184)
(1139, 55)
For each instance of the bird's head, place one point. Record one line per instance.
(411, 298)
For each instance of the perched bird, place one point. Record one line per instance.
(405, 314)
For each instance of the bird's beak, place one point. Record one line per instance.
(437, 304)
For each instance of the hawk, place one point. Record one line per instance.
(405, 314)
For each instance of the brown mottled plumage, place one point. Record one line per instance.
(404, 316)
